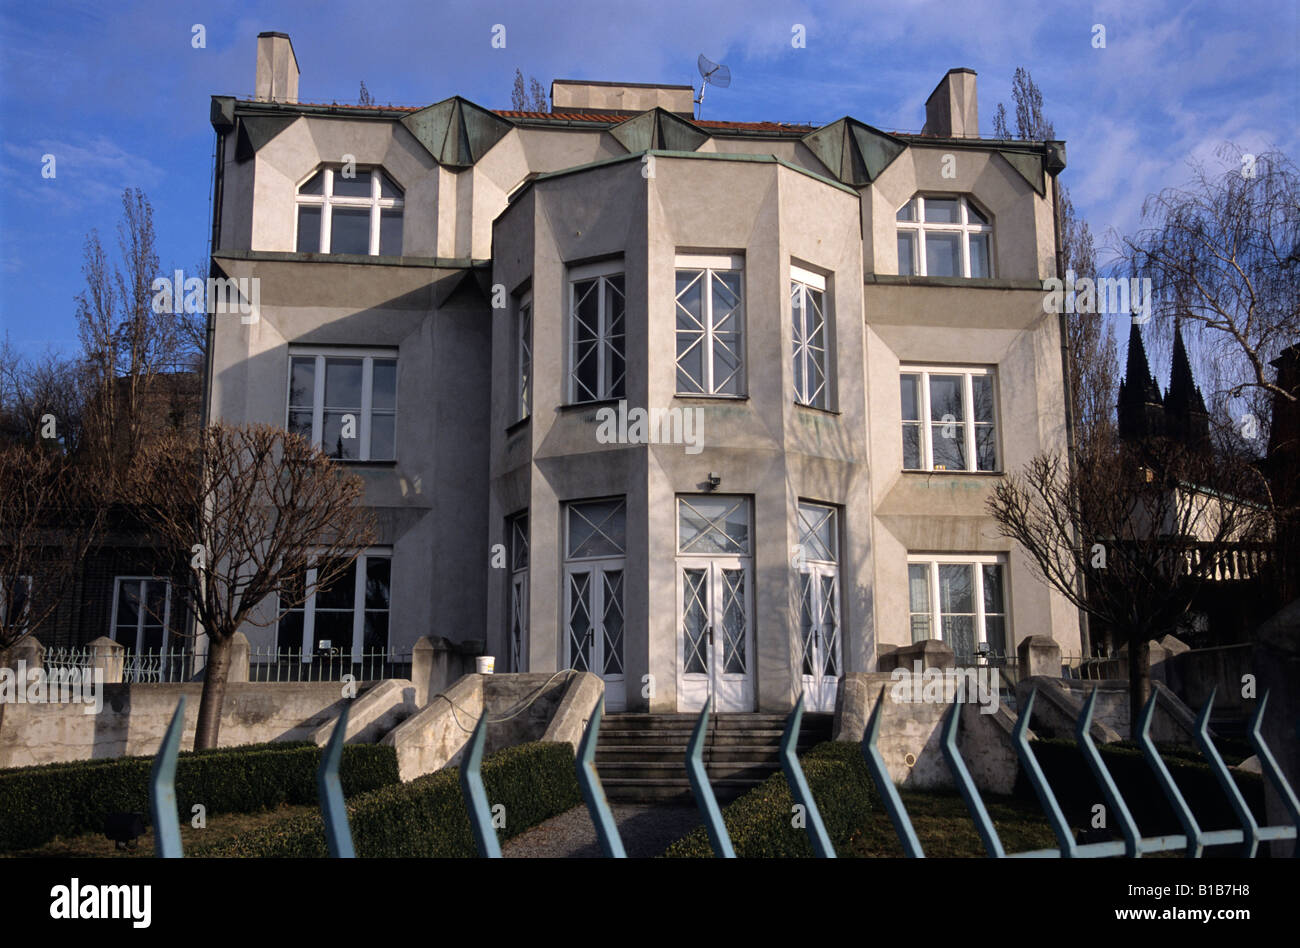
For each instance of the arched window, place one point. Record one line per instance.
(350, 210)
(944, 237)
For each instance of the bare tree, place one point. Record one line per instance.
(246, 512)
(538, 95)
(1223, 255)
(519, 94)
(1147, 525)
(49, 520)
(1094, 355)
(364, 97)
(127, 345)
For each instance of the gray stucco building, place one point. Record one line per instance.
(691, 404)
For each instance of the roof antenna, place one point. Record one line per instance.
(713, 74)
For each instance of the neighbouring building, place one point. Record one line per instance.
(700, 406)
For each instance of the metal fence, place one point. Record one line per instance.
(293, 664)
(148, 666)
(1193, 841)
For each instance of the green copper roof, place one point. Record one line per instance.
(658, 129)
(456, 131)
(854, 152)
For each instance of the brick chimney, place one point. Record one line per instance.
(277, 69)
(952, 111)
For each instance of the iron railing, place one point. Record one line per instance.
(1193, 841)
(292, 664)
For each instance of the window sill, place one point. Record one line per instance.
(986, 283)
(589, 406)
(695, 396)
(835, 412)
(515, 427)
(376, 464)
(943, 473)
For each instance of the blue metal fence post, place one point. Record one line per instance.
(329, 787)
(1083, 734)
(1268, 764)
(1250, 828)
(1064, 839)
(885, 784)
(162, 789)
(476, 801)
(1192, 829)
(719, 838)
(794, 776)
(966, 786)
(611, 844)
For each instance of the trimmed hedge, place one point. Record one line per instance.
(1078, 791)
(104, 761)
(38, 804)
(761, 822)
(427, 818)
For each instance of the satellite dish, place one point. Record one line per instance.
(713, 74)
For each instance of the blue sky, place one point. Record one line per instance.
(119, 95)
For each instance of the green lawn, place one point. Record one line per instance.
(945, 827)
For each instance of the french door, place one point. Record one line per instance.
(715, 600)
(594, 607)
(817, 584)
(595, 559)
(716, 638)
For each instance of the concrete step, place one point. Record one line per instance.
(674, 752)
(644, 790)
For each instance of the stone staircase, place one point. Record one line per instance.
(640, 757)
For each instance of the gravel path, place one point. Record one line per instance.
(646, 831)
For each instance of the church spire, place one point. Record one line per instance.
(1185, 412)
(1140, 408)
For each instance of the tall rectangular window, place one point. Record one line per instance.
(141, 612)
(961, 599)
(949, 419)
(345, 401)
(810, 339)
(595, 550)
(348, 617)
(15, 603)
(597, 333)
(710, 325)
(524, 358)
(517, 532)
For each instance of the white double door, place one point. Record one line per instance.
(715, 638)
(594, 626)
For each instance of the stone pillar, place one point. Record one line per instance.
(1039, 655)
(107, 655)
(238, 658)
(28, 650)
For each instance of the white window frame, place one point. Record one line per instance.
(27, 605)
(308, 607)
(368, 357)
(139, 622)
(327, 201)
(918, 228)
(596, 568)
(933, 561)
(813, 648)
(968, 424)
(524, 378)
(803, 281)
(517, 604)
(711, 264)
(602, 271)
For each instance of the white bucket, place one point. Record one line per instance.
(486, 664)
